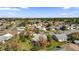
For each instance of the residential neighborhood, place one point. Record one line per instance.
(39, 34)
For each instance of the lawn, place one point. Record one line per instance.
(54, 44)
(26, 45)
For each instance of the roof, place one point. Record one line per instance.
(13, 32)
(76, 41)
(6, 36)
(20, 28)
(43, 36)
(37, 36)
(61, 36)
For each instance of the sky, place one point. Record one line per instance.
(39, 12)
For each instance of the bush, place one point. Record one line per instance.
(74, 36)
(49, 37)
(35, 48)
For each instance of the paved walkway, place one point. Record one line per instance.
(71, 47)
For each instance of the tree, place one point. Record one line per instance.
(6, 48)
(22, 37)
(74, 36)
(35, 48)
(64, 28)
(49, 37)
(11, 46)
(42, 42)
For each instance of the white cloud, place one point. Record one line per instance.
(8, 8)
(63, 14)
(24, 7)
(66, 7)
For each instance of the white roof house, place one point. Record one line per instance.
(60, 37)
(6, 37)
(42, 28)
(76, 41)
(37, 37)
(20, 29)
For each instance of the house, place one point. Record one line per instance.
(5, 37)
(20, 29)
(42, 28)
(12, 22)
(58, 27)
(77, 26)
(1, 28)
(40, 24)
(1, 24)
(37, 37)
(60, 37)
(52, 28)
(72, 26)
(76, 41)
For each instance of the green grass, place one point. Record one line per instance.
(54, 44)
(26, 45)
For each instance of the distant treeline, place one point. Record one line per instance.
(74, 20)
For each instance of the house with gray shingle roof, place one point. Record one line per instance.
(60, 37)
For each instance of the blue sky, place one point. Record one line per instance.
(39, 12)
